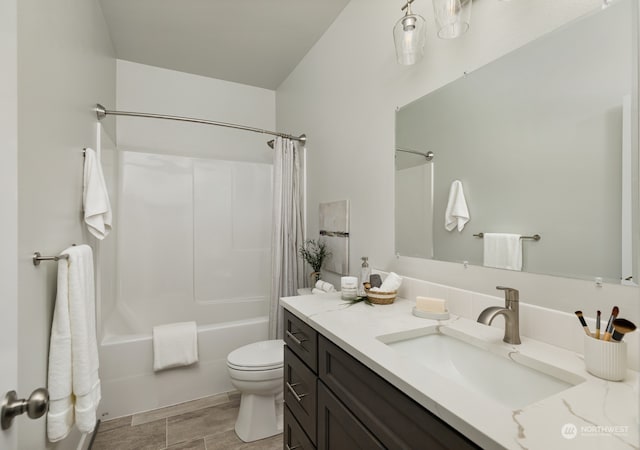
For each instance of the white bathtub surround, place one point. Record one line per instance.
(73, 382)
(287, 228)
(175, 345)
(95, 198)
(603, 414)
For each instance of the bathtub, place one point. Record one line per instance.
(130, 386)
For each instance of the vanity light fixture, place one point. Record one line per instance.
(452, 17)
(409, 35)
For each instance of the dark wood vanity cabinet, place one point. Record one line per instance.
(334, 402)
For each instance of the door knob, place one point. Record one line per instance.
(35, 406)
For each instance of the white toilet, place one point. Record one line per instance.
(256, 370)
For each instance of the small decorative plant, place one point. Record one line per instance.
(314, 253)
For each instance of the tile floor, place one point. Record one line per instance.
(203, 424)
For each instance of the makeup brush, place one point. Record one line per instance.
(609, 329)
(582, 321)
(598, 324)
(622, 327)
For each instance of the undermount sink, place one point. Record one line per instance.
(503, 374)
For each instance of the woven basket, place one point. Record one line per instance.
(382, 298)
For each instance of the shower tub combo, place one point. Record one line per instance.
(192, 243)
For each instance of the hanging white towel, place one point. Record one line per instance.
(457, 213)
(73, 381)
(175, 345)
(97, 209)
(503, 251)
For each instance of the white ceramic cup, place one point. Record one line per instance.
(605, 359)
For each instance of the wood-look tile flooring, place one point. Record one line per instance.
(203, 424)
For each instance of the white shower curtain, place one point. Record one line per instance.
(288, 229)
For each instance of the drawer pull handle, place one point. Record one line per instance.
(297, 396)
(292, 448)
(294, 338)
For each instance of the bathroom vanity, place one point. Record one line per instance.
(335, 401)
(355, 377)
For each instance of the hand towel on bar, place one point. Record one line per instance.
(457, 213)
(175, 345)
(73, 381)
(97, 209)
(503, 251)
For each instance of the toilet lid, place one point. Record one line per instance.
(261, 355)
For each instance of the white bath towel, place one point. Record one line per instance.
(73, 381)
(97, 209)
(175, 345)
(457, 213)
(503, 251)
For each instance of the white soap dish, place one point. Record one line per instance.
(430, 315)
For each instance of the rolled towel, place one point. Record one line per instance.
(390, 284)
(175, 345)
(317, 291)
(324, 286)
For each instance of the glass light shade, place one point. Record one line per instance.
(452, 17)
(409, 35)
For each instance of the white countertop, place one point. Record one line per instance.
(604, 413)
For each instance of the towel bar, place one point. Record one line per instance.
(37, 257)
(535, 237)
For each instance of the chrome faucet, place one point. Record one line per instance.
(511, 313)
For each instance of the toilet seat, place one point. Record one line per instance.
(259, 356)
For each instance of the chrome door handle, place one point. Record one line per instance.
(297, 396)
(294, 338)
(35, 406)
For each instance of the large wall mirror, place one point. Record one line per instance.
(544, 141)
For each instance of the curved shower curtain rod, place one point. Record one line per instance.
(428, 155)
(102, 112)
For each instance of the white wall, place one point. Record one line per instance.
(151, 89)
(343, 95)
(66, 64)
(9, 207)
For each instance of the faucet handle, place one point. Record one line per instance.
(510, 294)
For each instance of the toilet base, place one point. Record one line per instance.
(260, 417)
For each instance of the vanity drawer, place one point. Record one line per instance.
(394, 418)
(294, 437)
(338, 429)
(302, 339)
(300, 392)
